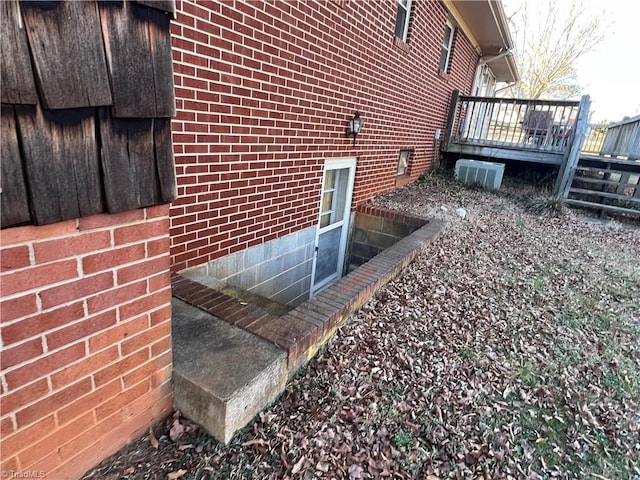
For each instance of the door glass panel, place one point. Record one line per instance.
(327, 202)
(327, 255)
(341, 186)
(325, 220)
(329, 179)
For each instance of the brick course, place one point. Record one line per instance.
(85, 330)
(264, 92)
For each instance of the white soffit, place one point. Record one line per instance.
(488, 27)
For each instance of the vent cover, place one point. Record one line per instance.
(487, 174)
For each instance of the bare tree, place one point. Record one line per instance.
(550, 37)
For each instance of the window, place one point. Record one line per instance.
(402, 20)
(403, 162)
(445, 52)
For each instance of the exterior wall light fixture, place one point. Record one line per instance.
(355, 125)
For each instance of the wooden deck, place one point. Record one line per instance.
(599, 165)
(506, 153)
(607, 174)
(538, 131)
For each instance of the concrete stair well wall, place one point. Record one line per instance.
(375, 230)
(279, 270)
(232, 357)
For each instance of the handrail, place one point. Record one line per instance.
(537, 101)
(525, 124)
(594, 138)
(623, 139)
(620, 139)
(625, 121)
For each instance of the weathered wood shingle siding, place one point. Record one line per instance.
(60, 157)
(18, 86)
(164, 5)
(132, 178)
(15, 207)
(133, 34)
(163, 150)
(87, 129)
(68, 53)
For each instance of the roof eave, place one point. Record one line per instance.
(488, 24)
(505, 69)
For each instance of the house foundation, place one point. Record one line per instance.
(279, 270)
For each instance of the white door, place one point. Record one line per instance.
(482, 115)
(333, 223)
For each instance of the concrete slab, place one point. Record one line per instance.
(223, 375)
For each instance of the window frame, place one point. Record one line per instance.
(407, 19)
(448, 47)
(407, 154)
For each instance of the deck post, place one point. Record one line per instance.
(451, 119)
(572, 154)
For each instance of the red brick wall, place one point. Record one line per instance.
(264, 93)
(85, 331)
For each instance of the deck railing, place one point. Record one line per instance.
(594, 139)
(607, 175)
(620, 139)
(538, 125)
(623, 139)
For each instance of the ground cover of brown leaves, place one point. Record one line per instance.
(509, 349)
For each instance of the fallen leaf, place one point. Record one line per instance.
(177, 474)
(177, 430)
(152, 439)
(255, 441)
(355, 472)
(283, 457)
(298, 465)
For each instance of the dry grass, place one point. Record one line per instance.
(510, 349)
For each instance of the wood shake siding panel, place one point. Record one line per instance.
(102, 68)
(18, 86)
(85, 323)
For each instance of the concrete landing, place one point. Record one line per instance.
(223, 376)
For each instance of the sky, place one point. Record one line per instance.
(610, 73)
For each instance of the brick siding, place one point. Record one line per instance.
(86, 346)
(264, 92)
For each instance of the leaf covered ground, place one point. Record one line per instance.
(509, 349)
